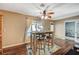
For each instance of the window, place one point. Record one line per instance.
(70, 29)
(35, 27)
(51, 27)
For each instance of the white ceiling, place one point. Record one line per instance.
(60, 9)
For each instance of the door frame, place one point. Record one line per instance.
(76, 30)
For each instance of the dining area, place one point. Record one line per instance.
(44, 42)
(49, 46)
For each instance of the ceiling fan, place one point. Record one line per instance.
(45, 13)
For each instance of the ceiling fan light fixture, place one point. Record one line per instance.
(44, 17)
(45, 13)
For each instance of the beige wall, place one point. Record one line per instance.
(60, 28)
(13, 28)
(14, 25)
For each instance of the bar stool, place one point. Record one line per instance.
(41, 42)
(49, 41)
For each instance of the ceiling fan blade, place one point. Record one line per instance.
(50, 13)
(49, 17)
(48, 6)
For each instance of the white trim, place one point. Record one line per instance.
(12, 45)
(67, 15)
(76, 32)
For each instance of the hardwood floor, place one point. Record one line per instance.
(15, 50)
(65, 46)
(21, 49)
(72, 52)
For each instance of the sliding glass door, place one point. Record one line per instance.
(70, 29)
(77, 31)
